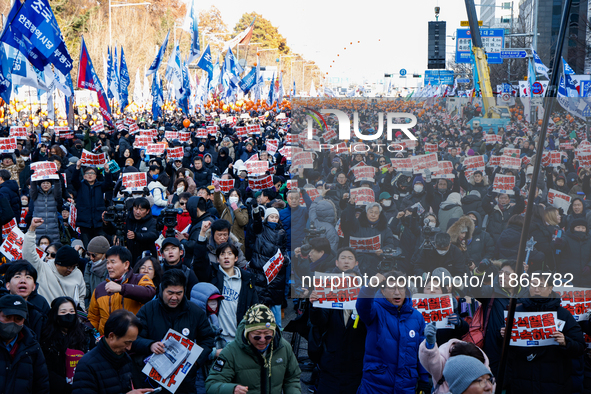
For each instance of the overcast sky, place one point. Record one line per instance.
(392, 34)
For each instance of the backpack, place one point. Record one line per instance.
(477, 328)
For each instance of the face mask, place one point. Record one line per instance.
(233, 200)
(66, 321)
(432, 225)
(42, 247)
(180, 189)
(24, 204)
(418, 188)
(154, 177)
(9, 331)
(442, 252)
(387, 203)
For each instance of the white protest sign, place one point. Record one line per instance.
(44, 170)
(363, 195)
(134, 181)
(370, 244)
(504, 184)
(302, 160)
(577, 300)
(7, 145)
(335, 291)
(176, 153)
(12, 247)
(513, 163)
(256, 167)
(444, 171)
(424, 162)
(533, 329)
(559, 200)
(93, 159)
(155, 149)
(273, 266)
(434, 308)
(18, 132)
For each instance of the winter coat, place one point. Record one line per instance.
(508, 245)
(102, 371)
(158, 191)
(343, 349)
(241, 364)
(14, 169)
(222, 163)
(92, 281)
(470, 185)
(25, 371)
(145, 235)
(137, 289)
(202, 177)
(238, 218)
(574, 256)
(448, 211)
(47, 206)
(414, 198)
(497, 218)
(545, 369)
(196, 223)
(90, 200)
(211, 249)
(269, 240)
(391, 362)
(426, 260)
(543, 234)
(9, 190)
(480, 244)
(433, 360)
(323, 215)
(472, 202)
(157, 319)
(294, 222)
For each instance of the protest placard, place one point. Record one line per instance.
(504, 184)
(260, 182)
(256, 167)
(402, 165)
(584, 158)
(18, 132)
(7, 227)
(513, 163)
(93, 159)
(474, 162)
(494, 161)
(7, 145)
(133, 128)
(128, 122)
(302, 160)
(254, 129)
(273, 266)
(44, 170)
(313, 193)
(97, 127)
(201, 133)
(171, 135)
(312, 145)
(12, 247)
(444, 171)
(212, 130)
(73, 216)
(142, 141)
(63, 132)
(155, 149)
(363, 195)
(226, 185)
(184, 136)
(435, 308)
(134, 181)
(551, 159)
(423, 162)
(364, 173)
(329, 134)
(241, 131)
(566, 146)
(525, 160)
(430, 147)
(533, 329)
(409, 144)
(335, 291)
(173, 382)
(559, 200)
(292, 184)
(369, 244)
(272, 146)
(152, 133)
(175, 153)
(577, 300)
(513, 152)
(493, 139)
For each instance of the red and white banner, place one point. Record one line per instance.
(12, 247)
(533, 329)
(212, 130)
(134, 181)
(514, 152)
(73, 216)
(292, 184)
(302, 160)
(128, 122)
(133, 128)
(155, 149)
(7, 145)
(8, 227)
(559, 200)
(329, 134)
(402, 165)
(444, 171)
(494, 161)
(153, 133)
(201, 133)
(44, 170)
(175, 153)
(364, 173)
(184, 136)
(225, 184)
(63, 132)
(434, 308)
(18, 132)
(260, 182)
(474, 162)
(254, 129)
(97, 127)
(273, 266)
(430, 148)
(493, 139)
(142, 141)
(513, 163)
(241, 131)
(171, 135)
(336, 291)
(312, 145)
(370, 244)
(566, 146)
(272, 146)
(423, 162)
(577, 300)
(584, 158)
(504, 184)
(256, 167)
(93, 159)
(363, 195)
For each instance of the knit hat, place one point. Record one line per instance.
(67, 256)
(461, 371)
(258, 317)
(77, 242)
(454, 198)
(271, 211)
(98, 245)
(384, 196)
(578, 222)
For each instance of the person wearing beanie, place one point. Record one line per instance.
(59, 277)
(259, 360)
(418, 194)
(95, 271)
(575, 252)
(467, 375)
(451, 208)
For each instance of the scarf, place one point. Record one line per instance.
(99, 268)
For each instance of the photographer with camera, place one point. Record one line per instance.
(173, 255)
(90, 201)
(315, 255)
(439, 252)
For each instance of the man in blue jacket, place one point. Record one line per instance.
(394, 331)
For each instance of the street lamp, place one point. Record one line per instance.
(120, 5)
(290, 71)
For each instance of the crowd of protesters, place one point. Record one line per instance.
(111, 282)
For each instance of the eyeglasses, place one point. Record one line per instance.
(92, 255)
(266, 337)
(483, 382)
(52, 254)
(182, 204)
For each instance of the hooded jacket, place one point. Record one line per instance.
(497, 217)
(508, 246)
(238, 218)
(145, 232)
(480, 245)
(47, 206)
(451, 208)
(240, 363)
(473, 202)
(575, 256)
(90, 200)
(9, 190)
(391, 362)
(158, 191)
(323, 214)
(223, 160)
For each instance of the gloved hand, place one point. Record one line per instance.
(431, 334)
(460, 168)
(484, 265)
(454, 319)
(423, 387)
(17, 153)
(255, 207)
(517, 191)
(427, 175)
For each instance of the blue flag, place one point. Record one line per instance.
(34, 27)
(124, 82)
(109, 74)
(569, 85)
(5, 75)
(157, 98)
(186, 92)
(566, 68)
(540, 67)
(159, 56)
(70, 85)
(195, 50)
(206, 64)
(87, 79)
(271, 89)
(249, 80)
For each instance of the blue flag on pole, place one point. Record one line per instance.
(109, 74)
(249, 80)
(124, 82)
(271, 89)
(195, 50)
(157, 98)
(5, 75)
(540, 67)
(87, 79)
(206, 64)
(159, 56)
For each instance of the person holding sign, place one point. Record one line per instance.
(394, 332)
(543, 369)
(171, 309)
(232, 210)
(499, 209)
(46, 203)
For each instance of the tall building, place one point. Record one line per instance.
(497, 13)
(549, 14)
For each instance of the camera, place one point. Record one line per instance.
(389, 259)
(429, 236)
(312, 232)
(117, 215)
(167, 218)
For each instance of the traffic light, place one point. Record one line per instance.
(436, 53)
